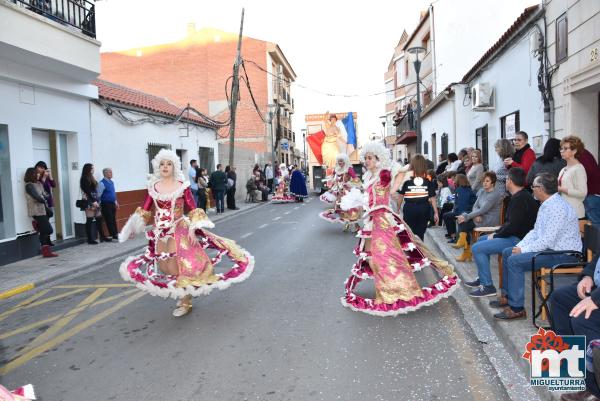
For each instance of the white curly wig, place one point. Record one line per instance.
(343, 157)
(380, 151)
(167, 154)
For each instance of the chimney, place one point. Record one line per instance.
(191, 28)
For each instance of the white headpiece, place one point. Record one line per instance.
(343, 157)
(377, 149)
(167, 154)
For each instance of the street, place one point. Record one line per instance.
(281, 335)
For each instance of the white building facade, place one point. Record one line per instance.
(47, 63)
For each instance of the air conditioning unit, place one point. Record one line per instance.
(482, 97)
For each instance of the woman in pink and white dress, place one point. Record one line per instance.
(343, 181)
(388, 252)
(175, 263)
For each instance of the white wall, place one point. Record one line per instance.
(514, 78)
(122, 147)
(439, 121)
(44, 110)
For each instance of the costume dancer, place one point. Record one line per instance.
(343, 181)
(24, 393)
(281, 191)
(298, 185)
(387, 250)
(175, 263)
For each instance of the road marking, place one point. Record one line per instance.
(246, 235)
(263, 226)
(65, 320)
(297, 207)
(17, 290)
(288, 212)
(31, 326)
(276, 218)
(29, 303)
(19, 361)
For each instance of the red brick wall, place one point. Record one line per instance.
(194, 71)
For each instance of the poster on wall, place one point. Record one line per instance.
(537, 144)
(510, 126)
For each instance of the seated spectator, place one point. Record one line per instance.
(451, 176)
(549, 162)
(462, 169)
(453, 162)
(556, 229)
(464, 198)
(572, 179)
(485, 213)
(524, 156)
(519, 220)
(252, 189)
(261, 187)
(575, 312)
(442, 164)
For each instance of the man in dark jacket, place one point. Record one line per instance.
(575, 312)
(218, 183)
(519, 220)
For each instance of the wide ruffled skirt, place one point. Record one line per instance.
(198, 270)
(337, 215)
(395, 254)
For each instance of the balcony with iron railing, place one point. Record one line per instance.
(55, 36)
(79, 14)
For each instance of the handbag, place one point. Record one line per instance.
(81, 204)
(49, 212)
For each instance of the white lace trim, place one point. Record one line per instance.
(169, 196)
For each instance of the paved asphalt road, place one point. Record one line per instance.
(280, 335)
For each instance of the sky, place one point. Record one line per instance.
(334, 46)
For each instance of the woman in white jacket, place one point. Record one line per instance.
(572, 179)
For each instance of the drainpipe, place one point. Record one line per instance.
(433, 58)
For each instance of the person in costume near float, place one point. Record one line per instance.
(387, 250)
(175, 263)
(281, 191)
(345, 179)
(298, 185)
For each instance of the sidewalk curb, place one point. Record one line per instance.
(98, 264)
(485, 325)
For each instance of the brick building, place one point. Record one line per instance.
(196, 69)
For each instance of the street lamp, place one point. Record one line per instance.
(415, 55)
(304, 143)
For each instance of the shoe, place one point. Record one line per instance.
(92, 242)
(447, 236)
(483, 291)
(462, 241)
(452, 240)
(473, 284)
(579, 396)
(184, 306)
(466, 256)
(509, 314)
(501, 302)
(47, 253)
(236, 208)
(106, 239)
(115, 237)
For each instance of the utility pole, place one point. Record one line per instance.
(235, 91)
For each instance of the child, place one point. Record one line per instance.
(445, 198)
(464, 198)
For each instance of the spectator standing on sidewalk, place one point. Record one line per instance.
(37, 209)
(572, 179)
(192, 177)
(269, 176)
(108, 202)
(575, 313)
(556, 229)
(202, 182)
(453, 163)
(592, 200)
(442, 164)
(47, 181)
(231, 184)
(89, 187)
(519, 220)
(524, 156)
(218, 182)
(504, 150)
(549, 162)
(475, 173)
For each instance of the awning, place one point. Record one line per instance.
(407, 137)
(390, 140)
